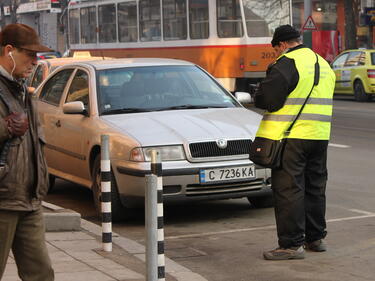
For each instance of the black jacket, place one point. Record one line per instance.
(281, 79)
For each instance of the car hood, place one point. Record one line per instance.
(186, 126)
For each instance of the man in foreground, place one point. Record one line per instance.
(23, 170)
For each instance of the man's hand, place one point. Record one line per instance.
(17, 123)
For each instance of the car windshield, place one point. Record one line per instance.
(157, 88)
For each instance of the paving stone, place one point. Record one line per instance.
(60, 257)
(125, 274)
(84, 255)
(70, 266)
(104, 264)
(76, 245)
(82, 276)
(68, 235)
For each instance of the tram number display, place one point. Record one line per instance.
(227, 174)
(268, 55)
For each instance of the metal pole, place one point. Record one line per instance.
(307, 9)
(155, 259)
(151, 228)
(105, 171)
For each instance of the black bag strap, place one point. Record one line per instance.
(316, 82)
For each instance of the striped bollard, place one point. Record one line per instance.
(105, 174)
(155, 260)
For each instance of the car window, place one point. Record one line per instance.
(159, 88)
(362, 58)
(340, 61)
(373, 58)
(353, 59)
(54, 87)
(79, 88)
(38, 76)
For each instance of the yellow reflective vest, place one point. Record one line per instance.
(314, 122)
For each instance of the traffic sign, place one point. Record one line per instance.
(309, 24)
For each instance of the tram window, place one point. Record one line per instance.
(229, 20)
(88, 25)
(198, 16)
(74, 26)
(149, 20)
(174, 19)
(262, 17)
(127, 22)
(107, 23)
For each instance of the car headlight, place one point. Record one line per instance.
(167, 153)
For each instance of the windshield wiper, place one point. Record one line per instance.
(124, 110)
(190, 106)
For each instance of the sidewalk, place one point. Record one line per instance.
(77, 255)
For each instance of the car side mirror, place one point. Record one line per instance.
(74, 107)
(243, 97)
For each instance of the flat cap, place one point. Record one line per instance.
(21, 36)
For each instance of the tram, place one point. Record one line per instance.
(228, 38)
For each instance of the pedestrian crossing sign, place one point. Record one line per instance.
(309, 24)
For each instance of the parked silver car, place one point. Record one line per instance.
(201, 131)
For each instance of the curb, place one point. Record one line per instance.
(60, 219)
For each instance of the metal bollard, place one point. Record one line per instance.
(155, 260)
(105, 173)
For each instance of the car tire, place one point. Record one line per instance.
(262, 201)
(119, 212)
(51, 182)
(359, 92)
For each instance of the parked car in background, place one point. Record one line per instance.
(48, 55)
(201, 131)
(355, 73)
(46, 66)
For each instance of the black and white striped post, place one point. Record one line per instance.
(155, 260)
(105, 175)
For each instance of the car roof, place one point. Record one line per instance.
(133, 62)
(67, 60)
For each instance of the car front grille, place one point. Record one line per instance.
(193, 190)
(211, 148)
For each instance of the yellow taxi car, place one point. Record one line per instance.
(355, 73)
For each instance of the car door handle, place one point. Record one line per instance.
(58, 123)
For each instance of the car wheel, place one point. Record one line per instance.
(261, 201)
(359, 92)
(119, 212)
(51, 182)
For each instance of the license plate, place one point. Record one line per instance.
(227, 174)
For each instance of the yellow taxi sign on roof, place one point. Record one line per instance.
(81, 54)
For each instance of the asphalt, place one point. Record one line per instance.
(75, 248)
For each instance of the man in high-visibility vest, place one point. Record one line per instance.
(299, 184)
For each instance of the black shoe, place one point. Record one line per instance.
(316, 246)
(285, 254)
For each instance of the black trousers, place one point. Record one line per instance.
(299, 192)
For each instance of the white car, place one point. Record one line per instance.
(201, 131)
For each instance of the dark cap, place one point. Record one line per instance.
(284, 33)
(21, 36)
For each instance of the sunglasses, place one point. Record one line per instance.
(28, 53)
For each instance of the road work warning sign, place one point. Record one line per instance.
(309, 24)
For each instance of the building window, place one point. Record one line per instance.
(149, 20)
(262, 17)
(127, 22)
(198, 16)
(88, 25)
(74, 26)
(229, 20)
(107, 23)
